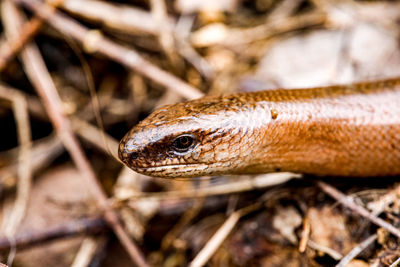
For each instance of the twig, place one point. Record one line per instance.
(384, 201)
(87, 251)
(65, 230)
(357, 250)
(93, 41)
(349, 203)
(395, 263)
(184, 220)
(257, 182)
(24, 169)
(11, 48)
(222, 233)
(43, 151)
(165, 34)
(41, 80)
(92, 134)
(331, 252)
(185, 49)
(130, 20)
(305, 235)
(124, 18)
(237, 36)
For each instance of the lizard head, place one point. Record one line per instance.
(190, 139)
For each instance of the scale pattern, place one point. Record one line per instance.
(351, 130)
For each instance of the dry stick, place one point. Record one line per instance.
(11, 48)
(124, 18)
(68, 229)
(305, 235)
(327, 250)
(92, 134)
(222, 233)
(24, 168)
(185, 49)
(256, 182)
(395, 263)
(384, 201)
(89, 248)
(41, 80)
(43, 152)
(284, 9)
(357, 250)
(349, 203)
(95, 42)
(135, 20)
(165, 34)
(87, 131)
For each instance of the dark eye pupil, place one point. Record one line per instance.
(183, 143)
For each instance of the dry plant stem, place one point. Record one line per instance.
(134, 20)
(10, 49)
(95, 42)
(87, 251)
(357, 250)
(87, 131)
(182, 33)
(165, 34)
(277, 27)
(68, 229)
(331, 252)
(305, 236)
(124, 18)
(252, 183)
(284, 9)
(185, 220)
(43, 153)
(93, 134)
(24, 169)
(349, 203)
(41, 80)
(384, 201)
(222, 233)
(395, 263)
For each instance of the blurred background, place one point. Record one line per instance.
(93, 69)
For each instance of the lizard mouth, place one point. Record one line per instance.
(174, 170)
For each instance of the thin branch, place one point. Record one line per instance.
(165, 35)
(222, 233)
(252, 183)
(357, 250)
(89, 248)
(12, 47)
(69, 229)
(24, 168)
(331, 252)
(93, 41)
(41, 80)
(124, 18)
(395, 263)
(349, 203)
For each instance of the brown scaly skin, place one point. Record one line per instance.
(351, 130)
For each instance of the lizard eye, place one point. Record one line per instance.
(183, 143)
